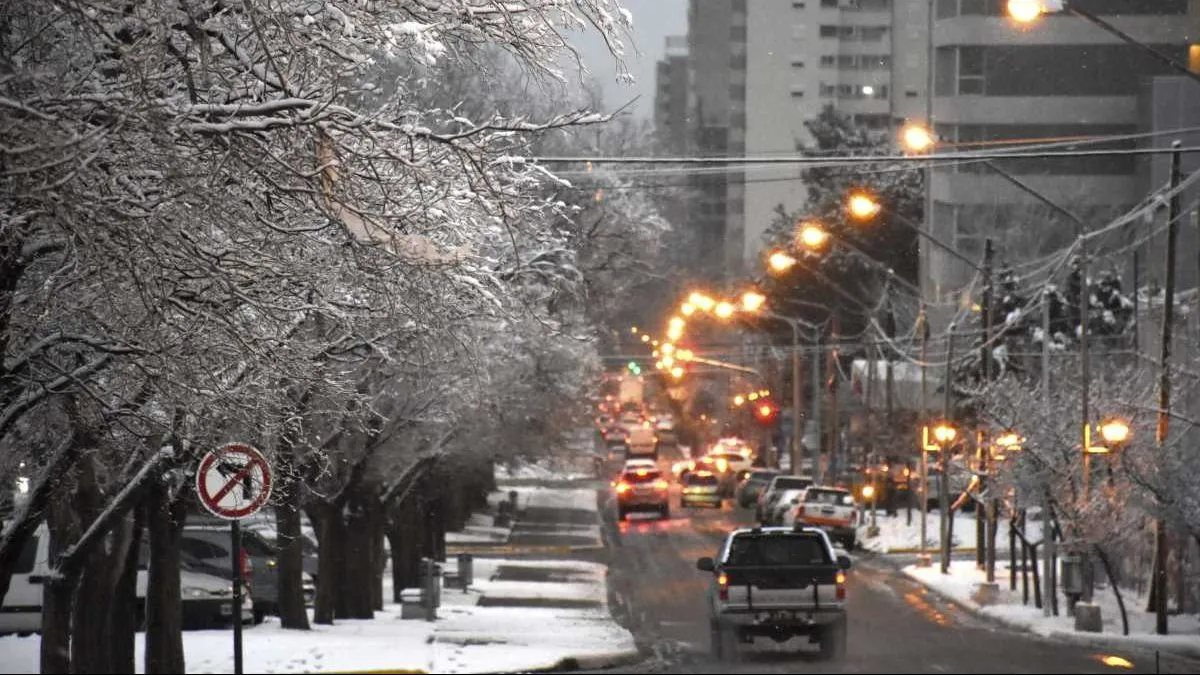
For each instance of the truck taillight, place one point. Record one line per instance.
(799, 510)
(661, 484)
(841, 585)
(247, 565)
(722, 586)
(622, 488)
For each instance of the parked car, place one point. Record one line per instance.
(207, 547)
(752, 485)
(786, 501)
(207, 600)
(766, 500)
(830, 509)
(778, 583)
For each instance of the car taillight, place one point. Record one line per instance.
(722, 586)
(247, 565)
(841, 585)
(661, 484)
(799, 510)
(622, 488)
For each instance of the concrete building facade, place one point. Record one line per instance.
(1061, 78)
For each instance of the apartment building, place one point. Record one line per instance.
(671, 96)
(1061, 77)
(865, 57)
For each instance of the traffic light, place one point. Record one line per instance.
(766, 412)
(634, 368)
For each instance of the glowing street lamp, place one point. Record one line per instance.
(724, 310)
(917, 138)
(687, 309)
(668, 349)
(812, 236)
(944, 434)
(633, 329)
(645, 338)
(1026, 11)
(677, 372)
(701, 301)
(1114, 431)
(862, 206)
(752, 301)
(780, 261)
(739, 400)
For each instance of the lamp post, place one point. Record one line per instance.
(754, 303)
(1029, 11)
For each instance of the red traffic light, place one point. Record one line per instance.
(766, 412)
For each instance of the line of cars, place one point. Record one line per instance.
(206, 572)
(781, 499)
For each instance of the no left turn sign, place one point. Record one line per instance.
(234, 481)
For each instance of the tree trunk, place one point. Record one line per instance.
(91, 646)
(58, 591)
(1116, 588)
(379, 557)
(328, 520)
(163, 610)
(396, 543)
(359, 565)
(124, 627)
(292, 613)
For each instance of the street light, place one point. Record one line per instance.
(812, 236)
(862, 206)
(701, 301)
(780, 261)
(753, 300)
(944, 434)
(1028, 11)
(739, 400)
(917, 138)
(668, 349)
(645, 338)
(687, 309)
(677, 372)
(1114, 431)
(723, 310)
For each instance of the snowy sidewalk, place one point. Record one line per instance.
(962, 583)
(896, 536)
(519, 614)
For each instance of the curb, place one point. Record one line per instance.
(572, 664)
(509, 549)
(1105, 640)
(915, 549)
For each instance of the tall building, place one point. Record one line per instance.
(671, 97)
(717, 64)
(799, 57)
(1061, 77)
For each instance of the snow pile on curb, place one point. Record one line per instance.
(962, 582)
(544, 469)
(479, 529)
(896, 536)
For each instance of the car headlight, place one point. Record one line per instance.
(196, 591)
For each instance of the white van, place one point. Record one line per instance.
(207, 600)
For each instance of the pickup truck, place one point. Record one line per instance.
(830, 509)
(779, 583)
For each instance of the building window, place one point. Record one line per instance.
(828, 90)
(829, 3)
(738, 61)
(737, 92)
(828, 60)
(970, 71)
(797, 5)
(829, 31)
(737, 33)
(912, 93)
(797, 93)
(797, 64)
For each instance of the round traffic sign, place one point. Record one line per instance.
(234, 481)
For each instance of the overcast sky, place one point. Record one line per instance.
(653, 21)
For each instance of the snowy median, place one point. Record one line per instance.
(962, 583)
(519, 615)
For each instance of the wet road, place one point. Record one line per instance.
(896, 625)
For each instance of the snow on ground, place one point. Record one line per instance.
(582, 499)
(466, 638)
(479, 529)
(896, 536)
(551, 468)
(963, 580)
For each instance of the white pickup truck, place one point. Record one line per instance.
(779, 583)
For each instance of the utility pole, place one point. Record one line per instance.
(989, 320)
(923, 418)
(1085, 376)
(832, 364)
(1049, 584)
(944, 483)
(1164, 389)
(797, 403)
(985, 361)
(818, 402)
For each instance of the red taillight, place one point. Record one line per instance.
(799, 510)
(661, 484)
(247, 565)
(722, 586)
(622, 488)
(841, 585)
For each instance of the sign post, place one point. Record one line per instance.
(234, 482)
